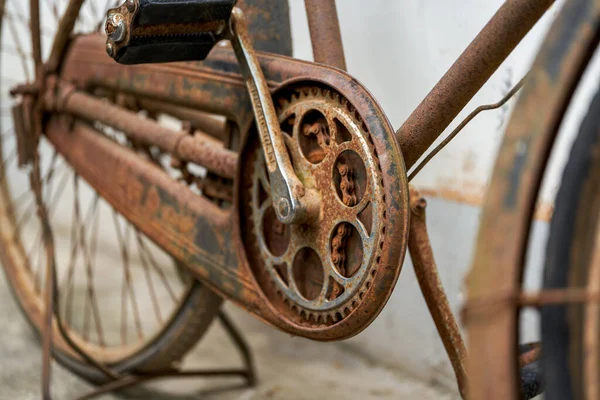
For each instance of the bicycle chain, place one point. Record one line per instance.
(338, 244)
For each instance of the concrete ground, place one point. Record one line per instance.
(288, 368)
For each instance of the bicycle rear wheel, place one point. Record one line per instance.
(123, 300)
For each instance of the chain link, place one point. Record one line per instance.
(343, 231)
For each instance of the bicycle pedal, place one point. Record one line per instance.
(159, 31)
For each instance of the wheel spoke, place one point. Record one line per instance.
(77, 230)
(69, 278)
(29, 205)
(128, 289)
(157, 268)
(36, 37)
(93, 251)
(148, 275)
(53, 8)
(90, 300)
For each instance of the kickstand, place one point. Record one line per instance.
(248, 372)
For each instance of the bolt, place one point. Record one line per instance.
(283, 208)
(110, 49)
(130, 5)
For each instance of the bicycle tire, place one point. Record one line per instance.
(567, 251)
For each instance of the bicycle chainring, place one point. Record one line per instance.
(318, 274)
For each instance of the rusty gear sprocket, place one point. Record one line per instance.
(319, 271)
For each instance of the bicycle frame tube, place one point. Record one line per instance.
(467, 75)
(325, 33)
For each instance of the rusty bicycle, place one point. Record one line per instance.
(197, 169)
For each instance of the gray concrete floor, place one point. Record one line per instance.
(288, 368)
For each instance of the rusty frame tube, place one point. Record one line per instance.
(325, 33)
(207, 123)
(431, 286)
(189, 227)
(61, 40)
(180, 144)
(467, 75)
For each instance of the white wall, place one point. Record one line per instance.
(399, 50)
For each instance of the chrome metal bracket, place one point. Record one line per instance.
(293, 204)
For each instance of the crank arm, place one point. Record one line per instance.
(291, 202)
(151, 31)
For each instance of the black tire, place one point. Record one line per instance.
(569, 248)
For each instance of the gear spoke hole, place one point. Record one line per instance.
(276, 234)
(308, 273)
(346, 250)
(366, 217)
(342, 134)
(350, 178)
(334, 290)
(314, 137)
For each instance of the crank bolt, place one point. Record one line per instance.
(283, 208)
(116, 27)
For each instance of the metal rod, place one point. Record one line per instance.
(427, 273)
(238, 340)
(547, 297)
(135, 380)
(464, 123)
(325, 33)
(467, 75)
(179, 144)
(36, 183)
(47, 333)
(35, 180)
(558, 296)
(61, 40)
(208, 123)
(36, 40)
(240, 343)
